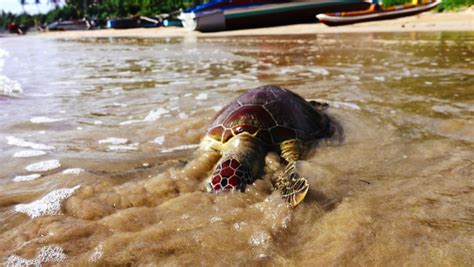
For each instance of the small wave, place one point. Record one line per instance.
(23, 178)
(38, 120)
(29, 153)
(75, 171)
(14, 141)
(119, 148)
(155, 114)
(9, 87)
(178, 148)
(114, 141)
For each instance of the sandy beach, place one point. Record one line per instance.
(425, 22)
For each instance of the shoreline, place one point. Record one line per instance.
(424, 22)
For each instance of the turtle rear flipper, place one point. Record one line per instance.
(295, 192)
(292, 187)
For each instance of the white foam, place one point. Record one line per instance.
(9, 87)
(75, 171)
(155, 114)
(130, 147)
(338, 104)
(215, 219)
(217, 108)
(379, 78)
(183, 115)
(114, 141)
(115, 104)
(129, 122)
(45, 255)
(38, 120)
(178, 148)
(98, 122)
(43, 166)
(239, 225)
(319, 71)
(259, 238)
(20, 142)
(159, 140)
(29, 153)
(47, 205)
(23, 178)
(97, 254)
(201, 96)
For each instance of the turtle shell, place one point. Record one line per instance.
(272, 114)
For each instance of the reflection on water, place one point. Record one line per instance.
(103, 133)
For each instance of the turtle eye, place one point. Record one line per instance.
(229, 175)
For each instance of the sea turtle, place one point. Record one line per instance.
(261, 120)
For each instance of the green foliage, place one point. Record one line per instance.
(387, 3)
(454, 4)
(448, 5)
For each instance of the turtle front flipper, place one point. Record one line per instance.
(292, 187)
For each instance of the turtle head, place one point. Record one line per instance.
(230, 174)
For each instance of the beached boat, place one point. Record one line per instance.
(188, 16)
(375, 12)
(266, 14)
(134, 22)
(71, 25)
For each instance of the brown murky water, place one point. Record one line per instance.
(116, 122)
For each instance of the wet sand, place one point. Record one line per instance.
(425, 22)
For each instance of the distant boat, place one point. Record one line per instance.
(71, 25)
(133, 22)
(374, 13)
(265, 15)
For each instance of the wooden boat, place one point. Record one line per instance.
(266, 15)
(375, 12)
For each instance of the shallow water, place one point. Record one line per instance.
(119, 180)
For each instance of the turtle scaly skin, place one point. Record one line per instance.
(267, 118)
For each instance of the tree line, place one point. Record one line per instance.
(100, 10)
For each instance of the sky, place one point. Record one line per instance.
(14, 6)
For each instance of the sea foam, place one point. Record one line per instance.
(14, 141)
(159, 140)
(155, 114)
(43, 166)
(178, 148)
(45, 255)
(9, 87)
(38, 120)
(114, 141)
(29, 153)
(47, 205)
(24, 178)
(75, 171)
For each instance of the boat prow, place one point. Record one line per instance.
(373, 14)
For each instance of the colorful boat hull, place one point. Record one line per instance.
(266, 15)
(374, 14)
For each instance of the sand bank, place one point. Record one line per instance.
(429, 21)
